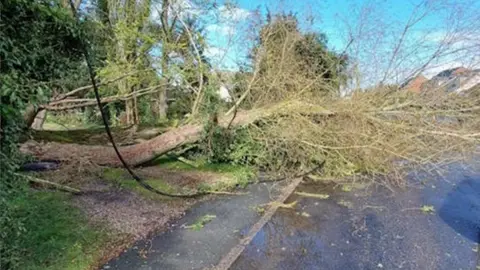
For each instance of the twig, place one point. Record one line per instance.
(80, 89)
(80, 103)
(249, 87)
(45, 182)
(188, 162)
(200, 71)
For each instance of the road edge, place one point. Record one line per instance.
(227, 261)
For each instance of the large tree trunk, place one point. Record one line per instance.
(29, 115)
(134, 154)
(130, 112)
(160, 107)
(39, 120)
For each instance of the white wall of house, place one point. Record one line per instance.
(224, 93)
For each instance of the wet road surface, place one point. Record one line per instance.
(360, 228)
(183, 248)
(372, 228)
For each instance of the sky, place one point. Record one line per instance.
(375, 26)
(372, 29)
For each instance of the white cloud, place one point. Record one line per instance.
(461, 51)
(215, 53)
(184, 8)
(437, 68)
(221, 29)
(433, 36)
(228, 13)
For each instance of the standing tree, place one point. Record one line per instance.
(282, 47)
(128, 46)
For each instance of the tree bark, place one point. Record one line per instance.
(29, 115)
(39, 119)
(130, 112)
(161, 106)
(135, 154)
(148, 150)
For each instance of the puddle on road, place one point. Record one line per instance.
(374, 229)
(461, 209)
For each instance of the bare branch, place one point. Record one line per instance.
(199, 68)
(88, 87)
(85, 102)
(45, 182)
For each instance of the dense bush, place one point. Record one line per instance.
(38, 47)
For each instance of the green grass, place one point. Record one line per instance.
(200, 222)
(234, 176)
(56, 235)
(240, 175)
(118, 178)
(82, 136)
(48, 125)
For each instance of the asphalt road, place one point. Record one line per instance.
(434, 224)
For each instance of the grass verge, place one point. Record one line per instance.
(235, 175)
(56, 235)
(117, 177)
(229, 177)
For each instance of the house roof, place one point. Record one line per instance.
(415, 84)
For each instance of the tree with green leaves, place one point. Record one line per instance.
(157, 43)
(310, 57)
(40, 57)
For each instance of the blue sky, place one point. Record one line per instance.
(327, 16)
(367, 20)
(379, 51)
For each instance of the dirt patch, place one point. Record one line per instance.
(128, 213)
(127, 216)
(124, 210)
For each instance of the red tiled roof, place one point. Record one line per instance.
(415, 84)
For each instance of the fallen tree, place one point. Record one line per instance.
(157, 146)
(294, 117)
(358, 136)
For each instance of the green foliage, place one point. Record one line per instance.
(201, 222)
(282, 44)
(312, 49)
(53, 234)
(75, 120)
(39, 52)
(235, 146)
(119, 179)
(219, 144)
